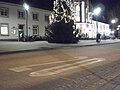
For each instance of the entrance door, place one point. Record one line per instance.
(21, 32)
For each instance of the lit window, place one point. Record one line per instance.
(35, 16)
(14, 31)
(4, 12)
(4, 29)
(35, 29)
(21, 14)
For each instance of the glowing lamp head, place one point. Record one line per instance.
(26, 6)
(97, 11)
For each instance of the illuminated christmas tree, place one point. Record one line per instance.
(62, 28)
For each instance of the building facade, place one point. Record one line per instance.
(13, 21)
(85, 23)
(91, 29)
(13, 18)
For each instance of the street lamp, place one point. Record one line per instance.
(26, 6)
(96, 12)
(113, 21)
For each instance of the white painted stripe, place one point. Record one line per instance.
(62, 68)
(93, 59)
(29, 67)
(20, 69)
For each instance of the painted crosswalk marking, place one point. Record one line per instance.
(62, 68)
(29, 67)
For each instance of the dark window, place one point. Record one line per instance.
(4, 12)
(35, 29)
(47, 18)
(35, 16)
(21, 14)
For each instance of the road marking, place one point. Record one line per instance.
(29, 67)
(66, 67)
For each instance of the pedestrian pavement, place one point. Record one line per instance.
(7, 47)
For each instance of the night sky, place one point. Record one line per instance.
(109, 4)
(48, 4)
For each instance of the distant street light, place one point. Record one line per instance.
(96, 13)
(26, 6)
(113, 21)
(119, 26)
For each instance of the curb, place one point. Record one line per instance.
(53, 48)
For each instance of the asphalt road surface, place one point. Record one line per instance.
(81, 68)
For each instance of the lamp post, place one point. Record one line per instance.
(26, 6)
(113, 21)
(96, 12)
(115, 30)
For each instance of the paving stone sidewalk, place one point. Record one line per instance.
(14, 46)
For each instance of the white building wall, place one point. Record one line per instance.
(91, 28)
(13, 20)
